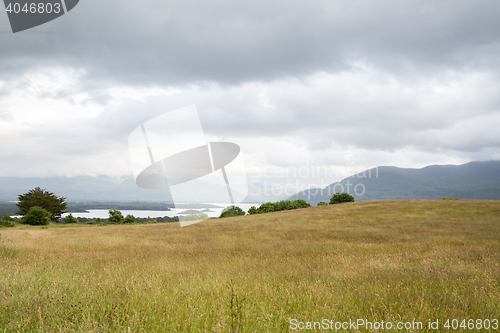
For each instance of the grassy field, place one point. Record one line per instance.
(391, 261)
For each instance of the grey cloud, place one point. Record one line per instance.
(372, 77)
(172, 43)
(325, 115)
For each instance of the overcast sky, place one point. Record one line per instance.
(344, 85)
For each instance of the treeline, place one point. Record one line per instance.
(41, 207)
(81, 207)
(77, 207)
(267, 207)
(163, 219)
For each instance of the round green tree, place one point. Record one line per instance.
(341, 198)
(129, 219)
(7, 218)
(252, 210)
(299, 203)
(41, 198)
(267, 207)
(37, 216)
(115, 216)
(70, 219)
(282, 205)
(232, 211)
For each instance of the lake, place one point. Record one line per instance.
(103, 213)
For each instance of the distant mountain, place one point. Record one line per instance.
(82, 188)
(87, 189)
(90, 189)
(474, 180)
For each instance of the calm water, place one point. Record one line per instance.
(103, 213)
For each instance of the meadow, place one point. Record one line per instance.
(392, 261)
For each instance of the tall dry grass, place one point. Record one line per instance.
(383, 260)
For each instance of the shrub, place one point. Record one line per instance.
(301, 203)
(282, 205)
(322, 203)
(7, 224)
(278, 206)
(293, 205)
(252, 210)
(37, 216)
(70, 219)
(115, 216)
(267, 207)
(129, 219)
(289, 205)
(158, 219)
(341, 198)
(150, 221)
(232, 211)
(168, 219)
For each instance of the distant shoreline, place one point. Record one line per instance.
(10, 208)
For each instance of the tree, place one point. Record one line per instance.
(267, 207)
(294, 205)
(7, 218)
(70, 219)
(322, 203)
(37, 216)
(301, 203)
(341, 198)
(129, 219)
(42, 198)
(282, 205)
(232, 211)
(115, 216)
(252, 210)
(7, 221)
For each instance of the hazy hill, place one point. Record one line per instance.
(474, 180)
(85, 189)
(82, 189)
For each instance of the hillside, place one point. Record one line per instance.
(474, 180)
(392, 261)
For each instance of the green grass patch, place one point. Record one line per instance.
(382, 260)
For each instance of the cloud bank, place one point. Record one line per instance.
(330, 83)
